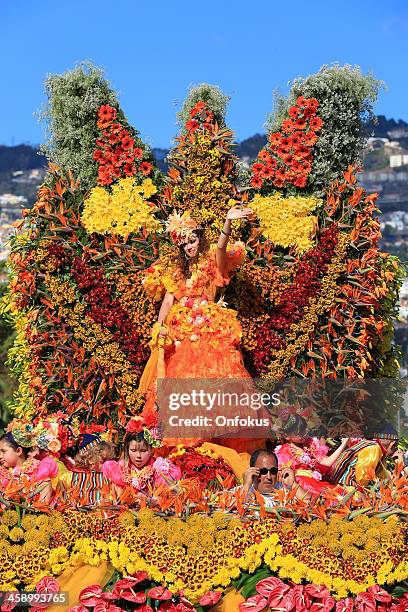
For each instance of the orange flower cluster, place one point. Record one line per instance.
(118, 153)
(287, 158)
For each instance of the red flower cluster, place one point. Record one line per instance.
(118, 154)
(107, 311)
(295, 298)
(200, 117)
(287, 158)
(274, 594)
(206, 469)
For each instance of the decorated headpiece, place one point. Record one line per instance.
(90, 436)
(21, 432)
(151, 435)
(88, 441)
(55, 433)
(385, 431)
(181, 227)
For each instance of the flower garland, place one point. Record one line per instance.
(287, 158)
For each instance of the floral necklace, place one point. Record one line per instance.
(137, 478)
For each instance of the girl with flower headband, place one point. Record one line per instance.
(199, 336)
(138, 468)
(18, 466)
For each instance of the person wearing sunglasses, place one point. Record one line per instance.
(262, 474)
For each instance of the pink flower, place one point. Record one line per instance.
(304, 458)
(365, 602)
(48, 584)
(210, 598)
(253, 604)
(93, 595)
(379, 594)
(302, 600)
(162, 465)
(345, 605)
(160, 593)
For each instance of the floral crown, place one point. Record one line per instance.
(151, 435)
(181, 227)
(22, 432)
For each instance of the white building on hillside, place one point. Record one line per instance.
(403, 312)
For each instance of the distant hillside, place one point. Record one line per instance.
(389, 128)
(25, 157)
(21, 157)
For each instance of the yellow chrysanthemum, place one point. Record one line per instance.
(287, 222)
(124, 211)
(9, 518)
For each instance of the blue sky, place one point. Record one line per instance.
(152, 51)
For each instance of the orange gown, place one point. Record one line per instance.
(204, 335)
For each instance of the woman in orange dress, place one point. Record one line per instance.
(201, 336)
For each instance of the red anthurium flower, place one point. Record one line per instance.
(123, 589)
(91, 595)
(398, 607)
(184, 606)
(145, 608)
(365, 602)
(379, 593)
(139, 576)
(210, 598)
(301, 598)
(167, 606)
(345, 605)
(267, 585)
(160, 593)
(317, 591)
(78, 609)
(326, 605)
(253, 604)
(8, 607)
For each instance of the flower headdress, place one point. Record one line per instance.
(55, 433)
(21, 432)
(151, 435)
(181, 227)
(147, 422)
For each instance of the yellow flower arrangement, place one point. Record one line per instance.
(122, 211)
(287, 222)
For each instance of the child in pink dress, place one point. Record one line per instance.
(138, 468)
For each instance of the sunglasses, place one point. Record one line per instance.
(272, 470)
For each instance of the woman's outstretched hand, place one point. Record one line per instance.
(237, 212)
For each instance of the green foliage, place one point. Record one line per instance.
(74, 99)
(7, 337)
(213, 97)
(346, 98)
